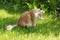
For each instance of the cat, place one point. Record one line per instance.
(28, 19)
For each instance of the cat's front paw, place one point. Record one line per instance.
(41, 18)
(34, 25)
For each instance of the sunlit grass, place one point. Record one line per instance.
(5, 14)
(47, 29)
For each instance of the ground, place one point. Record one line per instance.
(47, 29)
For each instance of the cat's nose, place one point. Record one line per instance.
(43, 11)
(41, 18)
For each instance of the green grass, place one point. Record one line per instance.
(48, 29)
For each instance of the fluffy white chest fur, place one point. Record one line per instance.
(36, 15)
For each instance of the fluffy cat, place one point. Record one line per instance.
(28, 18)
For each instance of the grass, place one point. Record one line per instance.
(48, 29)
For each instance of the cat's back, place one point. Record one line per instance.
(24, 18)
(26, 15)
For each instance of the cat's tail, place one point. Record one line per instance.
(10, 27)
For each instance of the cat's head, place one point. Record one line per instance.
(39, 13)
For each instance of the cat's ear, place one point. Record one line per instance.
(42, 11)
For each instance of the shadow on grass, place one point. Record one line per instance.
(7, 21)
(44, 28)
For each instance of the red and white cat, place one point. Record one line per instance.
(28, 18)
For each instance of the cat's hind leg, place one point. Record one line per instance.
(29, 25)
